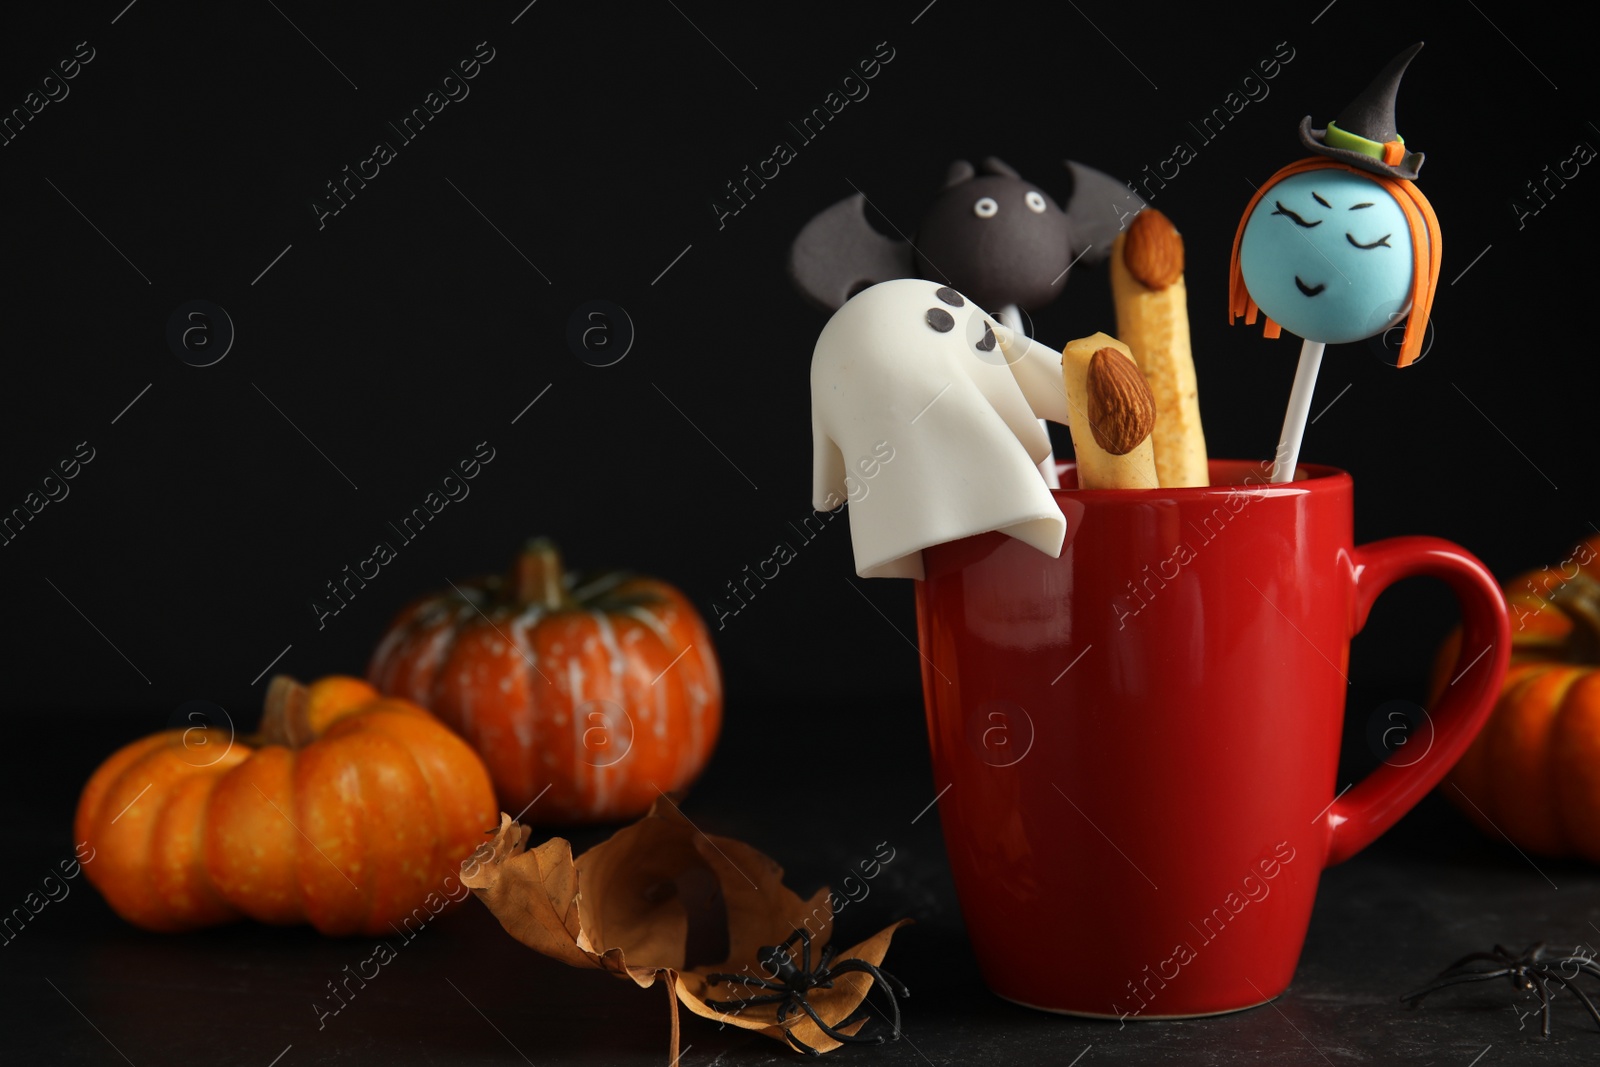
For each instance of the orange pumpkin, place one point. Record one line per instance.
(348, 811)
(1533, 773)
(591, 696)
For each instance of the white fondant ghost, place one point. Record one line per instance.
(914, 370)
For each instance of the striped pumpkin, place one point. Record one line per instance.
(590, 696)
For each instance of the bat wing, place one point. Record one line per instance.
(1100, 207)
(838, 254)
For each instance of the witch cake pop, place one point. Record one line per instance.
(1339, 246)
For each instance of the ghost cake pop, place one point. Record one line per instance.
(1340, 246)
(916, 388)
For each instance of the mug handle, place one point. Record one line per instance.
(1355, 820)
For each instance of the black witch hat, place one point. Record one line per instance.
(1364, 135)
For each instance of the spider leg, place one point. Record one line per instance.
(746, 980)
(1448, 979)
(890, 982)
(805, 947)
(1501, 956)
(857, 1016)
(735, 1006)
(837, 1035)
(825, 958)
(801, 1045)
(1572, 988)
(792, 1007)
(1585, 965)
(1544, 995)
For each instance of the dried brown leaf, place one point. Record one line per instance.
(533, 893)
(638, 902)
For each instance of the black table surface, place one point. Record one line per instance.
(81, 986)
(371, 348)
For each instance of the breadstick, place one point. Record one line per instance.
(1153, 318)
(1112, 415)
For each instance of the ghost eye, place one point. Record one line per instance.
(1035, 202)
(986, 208)
(1296, 219)
(1382, 242)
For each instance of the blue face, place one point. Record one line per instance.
(1327, 254)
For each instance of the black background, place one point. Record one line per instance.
(414, 324)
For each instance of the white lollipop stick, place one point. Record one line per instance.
(1294, 420)
(1011, 318)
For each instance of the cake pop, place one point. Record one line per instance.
(913, 369)
(991, 234)
(1339, 246)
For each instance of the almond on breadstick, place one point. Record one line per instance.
(1112, 415)
(1153, 318)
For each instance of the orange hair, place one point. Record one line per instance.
(1425, 249)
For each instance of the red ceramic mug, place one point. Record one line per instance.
(1140, 739)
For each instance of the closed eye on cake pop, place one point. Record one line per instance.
(1293, 217)
(1382, 242)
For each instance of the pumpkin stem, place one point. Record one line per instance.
(537, 577)
(285, 719)
(1579, 598)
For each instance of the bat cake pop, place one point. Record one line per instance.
(991, 234)
(1340, 246)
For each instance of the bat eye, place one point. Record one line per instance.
(986, 208)
(1035, 202)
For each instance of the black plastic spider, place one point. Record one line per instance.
(793, 982)
(1535, 969)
